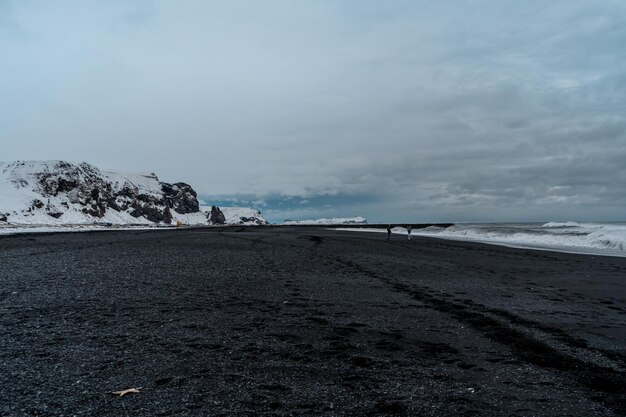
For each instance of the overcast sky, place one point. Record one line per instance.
(393, 110)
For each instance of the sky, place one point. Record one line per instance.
(395, 110)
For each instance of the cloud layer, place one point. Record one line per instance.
(486, 110)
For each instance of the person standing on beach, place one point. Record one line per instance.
(389, 232)
(408, 231)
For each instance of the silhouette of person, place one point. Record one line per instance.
(408, 231)
(389, 232)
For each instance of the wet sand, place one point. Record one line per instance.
(306, 321)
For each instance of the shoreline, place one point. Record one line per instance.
(571, 250)
(377, 228)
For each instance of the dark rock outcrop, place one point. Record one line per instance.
(217, 217)
(254, 220)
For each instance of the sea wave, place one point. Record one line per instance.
(598, 238)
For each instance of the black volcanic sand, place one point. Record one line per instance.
(305, 321)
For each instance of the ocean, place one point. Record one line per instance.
(607, 238)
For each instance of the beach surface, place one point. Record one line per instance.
(305, 321)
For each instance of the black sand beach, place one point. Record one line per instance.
(305, 321)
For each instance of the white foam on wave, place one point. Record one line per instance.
(561, 224)
(593, 238)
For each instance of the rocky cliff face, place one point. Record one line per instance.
(181, 197)
(54, 192)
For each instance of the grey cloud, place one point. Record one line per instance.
(431, 108)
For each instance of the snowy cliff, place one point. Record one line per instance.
(243, 215)
(62, 193)
(234, 215)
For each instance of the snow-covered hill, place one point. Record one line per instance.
(333, 221)
(243, 215)
(62, 193)
(239, 215)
